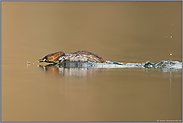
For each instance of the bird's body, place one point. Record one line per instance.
(75, 56)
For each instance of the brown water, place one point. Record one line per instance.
(117, 31)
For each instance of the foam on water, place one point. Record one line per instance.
(82, 68)
(79, 61)
(162, 64)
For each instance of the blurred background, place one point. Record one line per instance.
(117, 31)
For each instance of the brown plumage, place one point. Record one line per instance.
(54, 57)
(51, 58)
(91, 56)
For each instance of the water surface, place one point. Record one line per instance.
(127, 32)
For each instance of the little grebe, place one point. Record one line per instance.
(75, 56)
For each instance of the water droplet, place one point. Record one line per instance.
(171, 36)
(171, 54)
(28, 62)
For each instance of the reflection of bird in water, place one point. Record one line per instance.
(50, 68)
(75, 56)
(67, 71)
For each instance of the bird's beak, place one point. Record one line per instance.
(41, 60)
